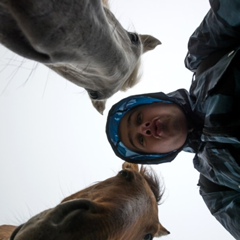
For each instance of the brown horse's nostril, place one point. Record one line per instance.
(68, 208)
(85, 205)
(79, 205)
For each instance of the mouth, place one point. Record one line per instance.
(157, 128)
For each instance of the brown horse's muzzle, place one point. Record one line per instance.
(80, 219)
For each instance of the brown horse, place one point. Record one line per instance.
(119, 208)
(80, 40)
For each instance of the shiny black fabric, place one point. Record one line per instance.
(213, 109)
(215, 98)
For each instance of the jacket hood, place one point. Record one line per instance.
(121, 108)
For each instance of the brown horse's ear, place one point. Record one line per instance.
(162, 231)
(131, 166)
(6, 231)
(149, 42)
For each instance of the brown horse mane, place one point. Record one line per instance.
(149, 175)
(153, 182)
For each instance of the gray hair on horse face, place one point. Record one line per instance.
(80, 40)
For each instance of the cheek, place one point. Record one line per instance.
(156, 146)
(179, 140)
(168, 145)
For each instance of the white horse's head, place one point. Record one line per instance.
(80, 40)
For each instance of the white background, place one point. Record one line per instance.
(53, 143)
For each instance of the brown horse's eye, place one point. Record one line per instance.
(127, 175)
(149, 236)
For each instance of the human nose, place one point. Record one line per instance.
(145, 129)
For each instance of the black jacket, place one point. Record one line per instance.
(212, 106)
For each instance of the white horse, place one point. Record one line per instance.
(79, 39)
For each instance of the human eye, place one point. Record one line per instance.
(139, 118)
(141, 140)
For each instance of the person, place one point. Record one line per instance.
(152, 128)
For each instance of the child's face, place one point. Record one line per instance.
(155, 128)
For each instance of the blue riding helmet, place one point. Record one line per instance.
(115, 115)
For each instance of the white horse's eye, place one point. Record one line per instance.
(134, 38)
(93, 94)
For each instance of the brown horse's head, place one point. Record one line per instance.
(119, 208)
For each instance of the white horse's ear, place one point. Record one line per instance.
(105, 3)
(131, 166)
(99, 105)
(162, 231)
(149, 42)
